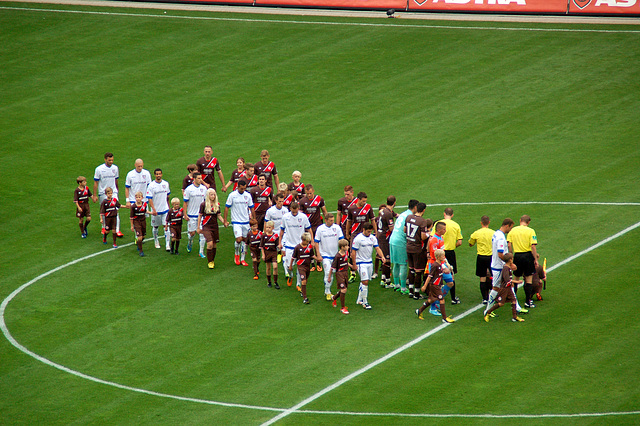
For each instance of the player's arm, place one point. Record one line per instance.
(221, 176)
(381, 255)
(226, 213)
(501, 255)
(280, 238)
(276, 181)
(198, 227)
(348, 228)
(131, 216)
(117, 189)
(426, 283)
(126, 195)
(472, 241)
(338, 216)
(510, 247)
(253, 212)
(95, 190)
(154, 212)
(324, 211)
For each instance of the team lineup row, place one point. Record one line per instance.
(294, 223)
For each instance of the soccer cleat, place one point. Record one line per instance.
(448, 320)
(299, 288)
(243, 263)
(83, 235)
(523, 311)
(493, 315)
(289, 281)
(404, 291)
(276, 286)
(313, 269)
(334, 303)
(345, 310)
(319, 268)
(189, 246)
(419, 314)
(389, 286)
(256, 277)
(119, 234)
(486, 318)
(329, 296)
(455, 301)
(382, 283)
(115, 246)
(517, 319)
(529, 305)
(279, 258)
(374, 276)
(202, 255)
(157, 244)
(434, 312)
(211, 265)
(366, 306)
(141, 254)
(305, 301)
(484, 302)
(236, 259)
(352, 276)
(538, 296)
(269, 285)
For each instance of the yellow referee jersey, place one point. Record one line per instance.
(482, 237)
(522, 238)
(452, 235)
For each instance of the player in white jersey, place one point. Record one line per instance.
(294, 224)
(499, 247)
(106, 176)
(276, 212)
(137, 180)
(240, 203)
(194, 195)
(158, 195)
(362, 251)
(326, 241)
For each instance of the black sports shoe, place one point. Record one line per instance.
(455, 301)
(276, 286)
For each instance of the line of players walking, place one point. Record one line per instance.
(275, 222)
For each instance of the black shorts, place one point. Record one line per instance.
(483, 266)
(450, 255)
(416, 261)
(525, 263)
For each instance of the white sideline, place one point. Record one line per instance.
(368, 367)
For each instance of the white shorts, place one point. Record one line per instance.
(159, 220)
(287, 255)
(326, 267)
(240, 231)
(192, 225)
(496, 277)
(365, 270)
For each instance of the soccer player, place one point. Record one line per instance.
(362, 249)
(106, 176)
(253, 240)
(261, 196)
(81, 197)
(340, 266)
(208, 217)
(194, 195)
(539, 278)
(137, 180)
(275, 213)
(251, 178)
(237, 174)
(417, 228)
(499, 248)
(294, 224)
(240, 204)
(268, 169)
(174, 223)
(433, 287)
(482, 237)
(289, 196)
(398, 249)
(436, 242)
(358, 215)
(138, 218)
(302, 255)
(452, 240)
(327, 239)
(207, 165)
(269, 249)
(158, 195)
(108, 215)
(386, 215)
(523, 243)
(297, 186)
(503, 289)
(343, 207)
(311, 205)
(188, 179)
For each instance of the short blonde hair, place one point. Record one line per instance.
(283, 186)
(439, 254)
(270, 224)
(296, 173)
(175, 200)
(343, 243)
(306, 237)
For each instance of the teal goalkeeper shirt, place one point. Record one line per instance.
(398, 237)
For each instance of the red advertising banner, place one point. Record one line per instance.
(338, 4)
(491, 6)
(603, 7)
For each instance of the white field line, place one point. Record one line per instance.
(357, 24)
(379, 361)
(286, 412)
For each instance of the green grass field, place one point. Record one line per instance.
(450, 116)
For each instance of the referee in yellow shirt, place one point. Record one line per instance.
(522, 242)
(482, 237)
(452, 239)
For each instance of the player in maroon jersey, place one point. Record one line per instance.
(138, 218)
(188, 179)
(208, 224)
(417, 229)
(109, 216)
(253, 240)
(341, 266)
(250, 178)
(357, 215)
(312, 205)
(261, 196)
(297, 186)
(303, 254)
(174, 224)
(268, 169)
(386, 218)
(239, 173)
(289, 197)
(207, 166)
(269, 249)
(81, 198)
(343, 207)
(433, 287)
